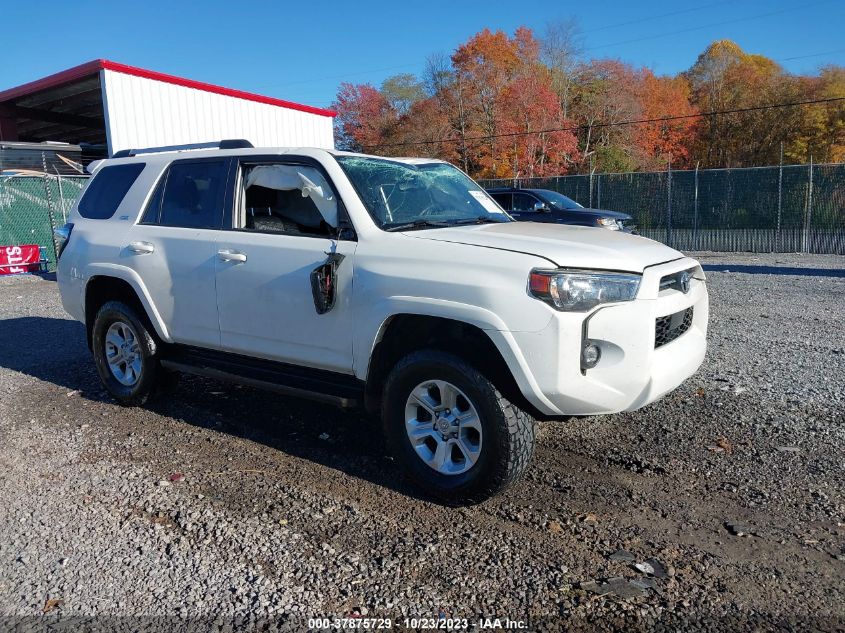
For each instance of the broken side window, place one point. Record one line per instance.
(288, 199)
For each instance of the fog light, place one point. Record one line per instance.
(590, 355)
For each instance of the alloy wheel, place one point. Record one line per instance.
(443, 427)
(123, 353)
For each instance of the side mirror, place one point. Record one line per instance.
(541, 207)
(324, 283)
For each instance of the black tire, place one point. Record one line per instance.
(151, 372)
(508, 431)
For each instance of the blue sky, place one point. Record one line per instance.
(301, 50)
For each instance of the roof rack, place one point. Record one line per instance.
(229, 143)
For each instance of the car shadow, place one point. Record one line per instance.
(54, 350)
(774, 270)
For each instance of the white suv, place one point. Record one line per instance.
(398, 284)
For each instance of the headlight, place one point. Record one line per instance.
(582, 291)
(608, 223)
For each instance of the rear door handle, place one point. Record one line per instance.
(141, 248)
(227, 255)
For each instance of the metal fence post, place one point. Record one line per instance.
(737, 204)
(50, 213)
(598, 191)
(778, 237)
(669, 204)
(808, 203)
(809, 207)
(61, 196)
(696, 245)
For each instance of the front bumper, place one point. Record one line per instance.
(632, 372)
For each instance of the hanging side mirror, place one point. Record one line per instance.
(324, 283)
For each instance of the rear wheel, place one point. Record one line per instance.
(125, 354)
(454, 433)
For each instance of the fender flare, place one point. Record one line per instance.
(134, 280)
(371, 330)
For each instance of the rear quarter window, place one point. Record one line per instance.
(105, 193)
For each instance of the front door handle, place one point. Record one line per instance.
(227, 255)
(141, 248)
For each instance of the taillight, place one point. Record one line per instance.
(62, 234)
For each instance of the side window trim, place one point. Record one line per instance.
(226, 217)
(158, 188)
(346, 229)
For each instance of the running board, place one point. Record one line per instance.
(341, 390)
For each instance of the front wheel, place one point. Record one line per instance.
(454, 433)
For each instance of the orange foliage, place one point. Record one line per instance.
(491, 108)
(658, 143)
(530, 105)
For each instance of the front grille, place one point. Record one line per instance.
(668, 328)
(675, 281)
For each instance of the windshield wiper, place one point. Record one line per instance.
(417, 224)
(482, 219)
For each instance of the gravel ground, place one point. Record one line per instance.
(258, 510)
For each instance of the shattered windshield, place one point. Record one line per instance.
(402, 196)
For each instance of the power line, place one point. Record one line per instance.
(589, 48)
(787, 59)
(310, 95)
(658, 16)
(653, 17)
(706, 26)
(618, 123)
(344, 76)
(307, 96)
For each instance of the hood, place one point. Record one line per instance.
(565, 245)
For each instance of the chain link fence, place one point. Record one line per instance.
(791, 208)
(788, 208)
(31, 206)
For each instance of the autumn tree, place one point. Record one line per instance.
(725, 78)
(561, 49)
(606, 96)
(670, 139)
(510, 105)
(426, 130)
(541, 144)
(365, 118)
(484, 66)
(402, 91)
(821, 130)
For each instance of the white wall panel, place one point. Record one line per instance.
(143, 112)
